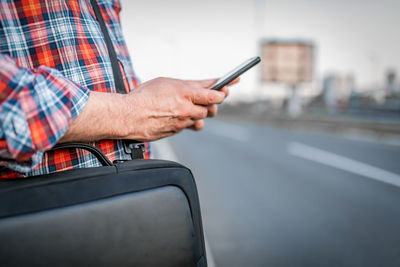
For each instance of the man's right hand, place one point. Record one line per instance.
(158, 108)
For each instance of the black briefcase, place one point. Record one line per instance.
(135, 213)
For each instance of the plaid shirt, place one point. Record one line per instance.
(52, 54)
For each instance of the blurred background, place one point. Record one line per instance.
(301, 167)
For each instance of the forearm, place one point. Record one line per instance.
(102, 117)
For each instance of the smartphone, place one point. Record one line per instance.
(225, 80)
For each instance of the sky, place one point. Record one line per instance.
(194, 39)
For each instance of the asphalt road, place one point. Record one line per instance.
(273, 197)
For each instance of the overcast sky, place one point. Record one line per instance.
(181, 37)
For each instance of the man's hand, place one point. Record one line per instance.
(156, 109)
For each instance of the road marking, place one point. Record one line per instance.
(165, 151)
(234, 132)
(373, 140)
(343, 163)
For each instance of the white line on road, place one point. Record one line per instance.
(374, 140)
(344, 163)
(165, 151)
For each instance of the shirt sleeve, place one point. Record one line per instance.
(36, 109)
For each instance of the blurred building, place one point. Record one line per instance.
(337, 89)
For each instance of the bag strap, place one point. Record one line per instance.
(92, 149)
(118, 78)
(134, 148)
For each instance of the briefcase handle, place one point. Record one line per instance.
(92, 149)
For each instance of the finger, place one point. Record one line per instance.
(212, 110)
(161, 135)
(198, 112)
(183, 124)
(225, 90)
(176, 125)
(197, 126)
(205, 97)
(202, 83)
(234, 81)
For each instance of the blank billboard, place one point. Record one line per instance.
(287, 62)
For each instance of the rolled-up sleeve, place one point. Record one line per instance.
(36, 109)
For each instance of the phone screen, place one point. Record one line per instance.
(232, 75)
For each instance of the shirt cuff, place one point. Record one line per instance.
(37, 113)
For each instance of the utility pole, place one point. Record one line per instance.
(259, 26)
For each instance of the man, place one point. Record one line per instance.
(56, 85)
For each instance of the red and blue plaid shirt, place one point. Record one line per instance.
(52, 54)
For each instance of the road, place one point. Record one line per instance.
(274, 197)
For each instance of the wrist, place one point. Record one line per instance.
(118, 116)
(128, 117)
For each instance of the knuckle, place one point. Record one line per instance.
(174, 128)
(210, 97)
(178, 126)
(184, 112)
(175, 113)
(182, 125)
(204, 112)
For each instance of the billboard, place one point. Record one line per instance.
(289, 62)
